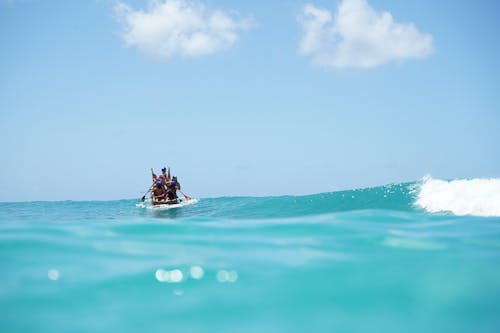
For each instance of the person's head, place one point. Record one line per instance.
(174, 178)
(159, 184)
(164, 170)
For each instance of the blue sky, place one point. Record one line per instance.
(244, 98)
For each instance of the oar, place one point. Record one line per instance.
(185, 196)
(153, 176)
(144, 196)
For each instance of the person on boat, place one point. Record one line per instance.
(159, 193)
(165, 174)
(172, 188)
(163, 179)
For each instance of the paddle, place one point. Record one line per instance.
(144, 196)
(153, 176)
(185, 196)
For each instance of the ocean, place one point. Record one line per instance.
(412, 257)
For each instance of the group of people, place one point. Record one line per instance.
(164, 188)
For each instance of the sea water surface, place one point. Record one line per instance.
(412, 257)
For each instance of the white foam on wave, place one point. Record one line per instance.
(478, 196)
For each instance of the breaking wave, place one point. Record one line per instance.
(478, 196)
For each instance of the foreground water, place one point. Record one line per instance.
(367, 260)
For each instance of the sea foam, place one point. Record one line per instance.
(479, 196)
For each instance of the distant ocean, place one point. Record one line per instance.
(412, 257)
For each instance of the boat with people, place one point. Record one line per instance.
(163, 192)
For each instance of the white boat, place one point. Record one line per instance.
(167, 206)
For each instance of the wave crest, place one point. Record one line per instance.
(478, 196)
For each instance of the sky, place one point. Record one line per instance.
(244, 97)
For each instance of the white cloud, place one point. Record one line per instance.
(172, 28)
(358, 36)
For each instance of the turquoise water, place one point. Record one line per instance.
(355, 261)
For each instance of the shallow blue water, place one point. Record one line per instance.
(354, 261)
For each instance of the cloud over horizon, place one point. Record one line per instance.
(170, 28)
(358, 36)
